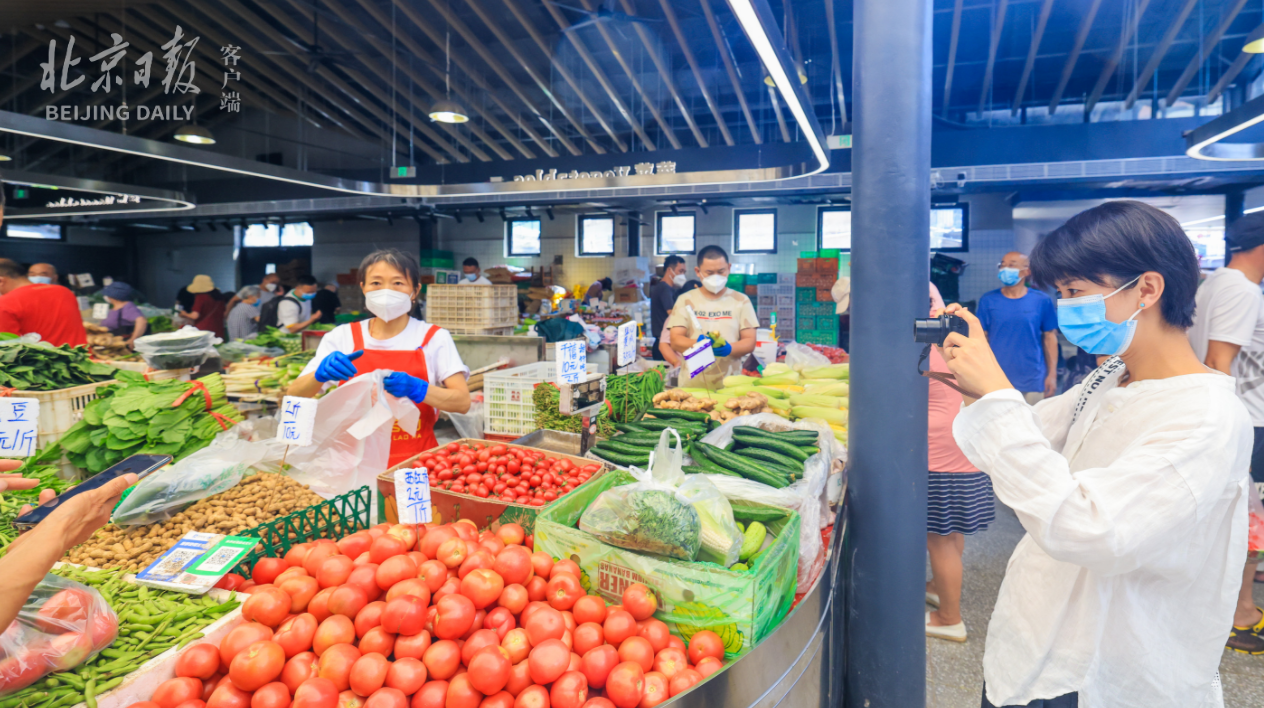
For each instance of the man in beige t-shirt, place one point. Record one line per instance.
(718, 309)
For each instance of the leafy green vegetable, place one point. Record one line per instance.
(136, 417)
(43, 367)
(160, 324)
(274, 337)
(649, 520)
(548, 416)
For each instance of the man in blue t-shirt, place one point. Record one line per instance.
(1021, 326)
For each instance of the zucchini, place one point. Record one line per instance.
(624, 448)
(771, 457)
(645, 441)
(620, 459)
(779, 446)
(762, 514)
(796, 437)
(746, 467)
(678, 414)
(700, 460)
(656, 425)
(694, 469)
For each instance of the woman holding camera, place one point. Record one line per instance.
(1131, 486)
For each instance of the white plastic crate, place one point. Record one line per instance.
(507, 397)
(785, 302)
(767, 300)
(785, 279)
(472, 306)
(764, 289)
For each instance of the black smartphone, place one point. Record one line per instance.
(140, 465)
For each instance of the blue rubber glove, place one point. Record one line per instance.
(402, 385)
(718, 351)
(337, 367)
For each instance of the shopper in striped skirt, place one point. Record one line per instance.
(959, 502)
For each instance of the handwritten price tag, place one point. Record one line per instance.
(19, 427)
(698, 358)
(100, 311)
(298, 420)
(412, 492)
(572, 362)
(627, 343)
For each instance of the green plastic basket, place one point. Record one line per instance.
(334, 518)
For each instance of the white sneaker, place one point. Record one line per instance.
(932, 598)
(953, 633)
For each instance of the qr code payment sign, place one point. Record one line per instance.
(219, 560)
(173, 564)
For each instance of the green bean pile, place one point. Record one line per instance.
(150, 622)
(631, 395)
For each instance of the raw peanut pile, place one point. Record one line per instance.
(259, 498)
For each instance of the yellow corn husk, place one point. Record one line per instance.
(833, 388)
(788, 388)
(776, 368)
(838, 428)
(771, 391)
(840, 434)
(788, 377)
(779, 404)
(833, 371)
(732, 381)
(828, 415)
(807, 399)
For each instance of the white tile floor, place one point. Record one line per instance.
(954, 672)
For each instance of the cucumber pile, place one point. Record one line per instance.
(775, 459)
(638, 440)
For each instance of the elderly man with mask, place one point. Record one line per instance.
(42, 274)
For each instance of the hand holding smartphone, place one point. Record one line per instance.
(140, 465)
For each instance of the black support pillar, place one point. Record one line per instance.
(886, 641)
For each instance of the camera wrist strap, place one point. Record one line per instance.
(946, 379)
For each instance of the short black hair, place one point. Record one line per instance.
(305, 280)
(712, 252)
(1116, 242)
(606, 283)
(470, 262)
(672, 262)
(11, 269)
(395, 258)
(691, 284)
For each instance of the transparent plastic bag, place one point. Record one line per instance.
(469, 424)
(185, 348)
(215, 468)
(800, 357)
(650, 515)
(231, 352)
(61, 625)
(721, 541)
(806, 496)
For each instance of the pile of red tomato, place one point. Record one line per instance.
(505, 473)
(399, 617)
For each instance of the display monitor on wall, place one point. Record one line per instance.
(522, 237)
(40, 232)
(277, 235)
(949, 228)
(675, 232)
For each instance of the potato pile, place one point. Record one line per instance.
(258, 499)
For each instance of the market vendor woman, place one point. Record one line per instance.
(426, 366)
(717, 308)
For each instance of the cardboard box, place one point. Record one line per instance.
(742, 607)
(498, 276)
(449, 506)
(627, 294)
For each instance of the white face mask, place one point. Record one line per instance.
(715, 283)
(270, 287)
(388, 304)
(679, 280)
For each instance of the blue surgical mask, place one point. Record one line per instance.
(1083, 322)
(308, 296)
(471, 277)
(41, 279)
(1008, 276)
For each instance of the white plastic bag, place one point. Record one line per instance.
(353, 436)
(801, 356)
(806, 496)
(215, 468)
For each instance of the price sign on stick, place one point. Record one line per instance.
(19, 427)
(85, 280)
(627, 343)
(412, 492)
(572, 361)
(298, 419)
(698, 358)
(100, 310)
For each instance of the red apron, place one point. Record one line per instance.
(413, 363)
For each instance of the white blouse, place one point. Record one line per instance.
(1124, 586)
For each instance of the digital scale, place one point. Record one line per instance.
(584, 399)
